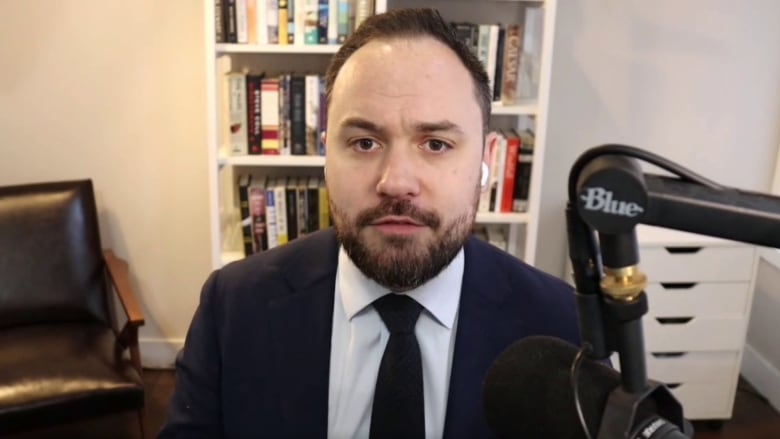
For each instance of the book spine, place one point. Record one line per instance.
(272, 20)
(312, 205)
(322, 22)
(312, 94)
(363, 10)
(302, 206)
(230, 21)
(219, 22)
(270, 127)
(283, 28)
(242, 35)
(243, 207)
(323, 118)
(484, 197)
(284, 114)
(254, 114)
(343, 21)
(297, 115)
(257, 213)
(310, 21)
(251, 21)
(323, 209)
(238, 114)
(495, 202)
(270, 216)
(280, 197)
(333, 21)
(510, 166)
(291, 195)
(512, 51)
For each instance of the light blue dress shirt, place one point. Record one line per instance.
(359, 338)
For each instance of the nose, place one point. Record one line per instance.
(400, 178)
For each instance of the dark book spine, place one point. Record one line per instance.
(254, 114)
(298, 114)
(246, 218)
(322, 22)
(313, 208)
(219, 22)
(499, 65)
(292, 211)
(230, 21)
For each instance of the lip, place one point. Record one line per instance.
(396, 221)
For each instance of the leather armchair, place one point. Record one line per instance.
(62, 357)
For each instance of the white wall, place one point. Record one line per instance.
(696, 81)
(115, 91)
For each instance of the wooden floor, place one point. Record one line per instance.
(753, 417)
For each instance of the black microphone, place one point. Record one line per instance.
(527, 393)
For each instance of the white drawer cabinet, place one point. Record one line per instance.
(699, 294)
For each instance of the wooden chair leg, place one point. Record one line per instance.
(142, 421)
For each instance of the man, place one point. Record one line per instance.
(294, 342)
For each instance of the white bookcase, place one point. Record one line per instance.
(274, 59)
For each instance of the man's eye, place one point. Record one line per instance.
(436, 145)
(365, 144)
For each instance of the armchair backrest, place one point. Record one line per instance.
(51, 262)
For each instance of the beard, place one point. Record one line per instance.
(402, 263)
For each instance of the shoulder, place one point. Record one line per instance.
(273, 271)
(545, 303)
(517, 273)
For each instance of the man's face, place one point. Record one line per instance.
(404, 143)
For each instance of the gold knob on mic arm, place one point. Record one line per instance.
(625, 283)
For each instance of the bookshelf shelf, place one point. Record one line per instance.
(274, 160)
(523, 109)
(502, 218)
(312, 49)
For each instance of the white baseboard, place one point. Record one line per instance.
(159, 353)
(762, 375)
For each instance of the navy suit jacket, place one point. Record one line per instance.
(256, 360)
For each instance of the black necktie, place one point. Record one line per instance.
(398, 410)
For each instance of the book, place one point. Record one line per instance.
(230, 21)
(270, 214)
(242, 35)
(323, 208)
(219, 22)
(237, 113)
(254, 113)
(256, 199)
(523, 172)
(313, 204)
(312, 110)
(280, 197)
(282, 26)
(291, 203)
(243, 209)
(298, 114)
(510, 166)
(270, 124)
(311, 12)
(513, 46)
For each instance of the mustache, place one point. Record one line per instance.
(398, 208)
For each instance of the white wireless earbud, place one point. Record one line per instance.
(483, 179)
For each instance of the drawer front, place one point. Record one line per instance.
(700, 396)
(693, 367)
(710, 299)
(697, 264)
(686, 333)
(705, 400)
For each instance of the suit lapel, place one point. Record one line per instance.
(484, 329)
(301, 325)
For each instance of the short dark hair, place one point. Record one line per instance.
(411, 22)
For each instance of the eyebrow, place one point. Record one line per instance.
(423, 127)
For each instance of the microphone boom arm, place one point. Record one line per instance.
(609, 195)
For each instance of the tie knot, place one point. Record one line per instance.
(399, 312)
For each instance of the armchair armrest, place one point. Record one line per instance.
(128, 336)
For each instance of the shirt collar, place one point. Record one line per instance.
(439, 296)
